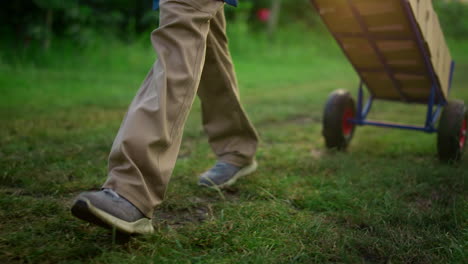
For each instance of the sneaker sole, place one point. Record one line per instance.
(241, 173)
(84, 210)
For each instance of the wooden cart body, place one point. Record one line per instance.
(396, 46)
(398, 49)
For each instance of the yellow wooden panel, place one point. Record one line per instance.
(382, 41)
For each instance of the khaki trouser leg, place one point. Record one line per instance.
(145, 149)
(231, 135)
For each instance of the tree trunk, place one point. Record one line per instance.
(273, 21)
(49, 19)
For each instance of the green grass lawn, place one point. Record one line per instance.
(387, 200)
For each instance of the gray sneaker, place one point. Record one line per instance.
(107, 209)
(224, 174)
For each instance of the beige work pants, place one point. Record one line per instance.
(193, 57)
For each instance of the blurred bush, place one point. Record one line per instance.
(30, 22)
(36, 24)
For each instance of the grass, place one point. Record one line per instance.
(387, 200)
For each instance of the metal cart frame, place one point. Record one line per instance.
(447, 118)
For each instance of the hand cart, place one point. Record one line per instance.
(399, 52)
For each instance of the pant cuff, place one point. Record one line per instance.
(236, 160)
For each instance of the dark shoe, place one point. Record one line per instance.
(224, 174)
(107, 209)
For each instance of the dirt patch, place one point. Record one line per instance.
(371, 255)
(199, 211)
(231, 194)
(317, 153)
(425, 204)
(180, 217)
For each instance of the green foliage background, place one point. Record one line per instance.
(35, 25)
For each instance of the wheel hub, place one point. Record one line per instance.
(347, 125)
(463, 133)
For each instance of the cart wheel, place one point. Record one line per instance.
(451, 138)
(337, 129)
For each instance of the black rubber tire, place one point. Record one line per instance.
(338, 103)
(449, 132)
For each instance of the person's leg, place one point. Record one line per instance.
(230, 133)
(145, 149)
